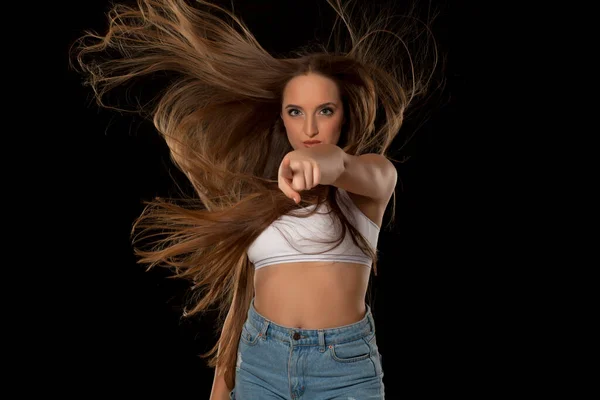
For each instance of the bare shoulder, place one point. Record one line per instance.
(382, 183)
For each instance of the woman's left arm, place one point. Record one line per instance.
(370, 175)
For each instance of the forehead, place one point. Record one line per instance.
(311, 88)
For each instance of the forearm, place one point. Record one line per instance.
(331, 160)
(219, 390)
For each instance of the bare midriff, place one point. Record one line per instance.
(312, 295)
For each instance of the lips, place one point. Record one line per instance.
(312, 142)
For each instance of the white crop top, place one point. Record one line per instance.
(271, 247)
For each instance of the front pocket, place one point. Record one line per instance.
(250, 334)
(356, 350)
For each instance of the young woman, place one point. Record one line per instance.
(287, 158)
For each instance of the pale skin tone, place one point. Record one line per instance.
(311, 295)
(311, 110)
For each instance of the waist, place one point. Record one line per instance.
(365, 326)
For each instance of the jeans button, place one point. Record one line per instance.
(296, 336)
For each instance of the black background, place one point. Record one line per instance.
(109, 327)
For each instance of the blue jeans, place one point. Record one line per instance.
(278, 362)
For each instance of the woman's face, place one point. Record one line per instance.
(312, 110)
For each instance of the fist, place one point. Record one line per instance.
(297, 174)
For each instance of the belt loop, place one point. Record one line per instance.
(263, 331)
(321, 340)
(370, 318)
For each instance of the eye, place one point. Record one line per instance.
(330, 111)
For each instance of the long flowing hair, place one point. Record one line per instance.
(220, 117)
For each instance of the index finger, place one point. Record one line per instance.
(286, 169)
(285, 181)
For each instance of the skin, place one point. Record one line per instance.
(314, 294)
(311, 295)
(304, 115)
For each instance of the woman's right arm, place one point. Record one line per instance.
(219, 391)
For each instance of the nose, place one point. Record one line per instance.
(310, 127)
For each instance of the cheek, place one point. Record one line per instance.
(286, 127)
(336, 124)
(294, 127)
(288, 124)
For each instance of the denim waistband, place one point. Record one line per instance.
(312, 337)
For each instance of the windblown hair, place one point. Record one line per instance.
(220, 118)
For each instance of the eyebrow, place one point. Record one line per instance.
(324, 104)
